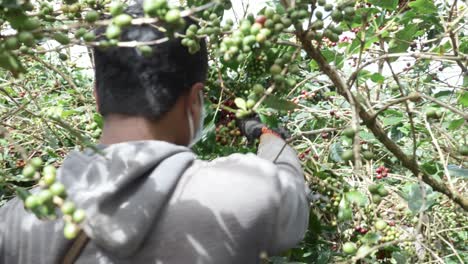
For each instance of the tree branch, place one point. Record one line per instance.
(373, 125)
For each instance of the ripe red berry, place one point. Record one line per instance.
(316, 157)
(261, 20)
(332, 112)
(379, 176)
(363, 231)
(324, 135)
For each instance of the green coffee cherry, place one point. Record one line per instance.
(29, 171)
(31, 202)
(79, 215)
(113, 31)
(48, 179)
(122, 20)
(349, 248)
(71, 230)
(36, 162)
(116, 8)
(45, 196)
(145, 50)
(172, 16)
(68, 208)
(58, 189)
(92, 16)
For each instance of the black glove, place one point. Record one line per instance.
(252, 128)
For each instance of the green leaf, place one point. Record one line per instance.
(430, 167)
(423, 6)
(357, 197)
(400, 257)
(22, 193)
(370, 238)
(335, 152)
(240, 103)
(354, 47)
(377, 78)
(333, 57)
(345, 212)
(403, 38)
(413, 195)
(392, 120)
(269, 120)
(463, 99)
(279, 104)
(455, 124)
(387, 4)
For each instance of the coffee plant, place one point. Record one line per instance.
(373, 92)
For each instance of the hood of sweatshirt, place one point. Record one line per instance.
(123, 189)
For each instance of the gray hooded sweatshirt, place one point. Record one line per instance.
(154, 202)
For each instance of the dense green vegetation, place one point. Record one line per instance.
(373, 92)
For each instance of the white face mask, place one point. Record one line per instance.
(195, 136)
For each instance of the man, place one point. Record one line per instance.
(146, 196)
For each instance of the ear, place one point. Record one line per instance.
(194, 97)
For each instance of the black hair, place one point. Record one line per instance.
(127, 82)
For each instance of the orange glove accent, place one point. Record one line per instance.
(266, 130)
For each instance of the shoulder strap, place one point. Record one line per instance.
(76, 248)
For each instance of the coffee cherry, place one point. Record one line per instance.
(368, 155)
(349, 132)
(349, 248)
(29, 171)
(463, 150)
(269, 13)
(68, 208)
(328, 7)
(336, 16)
(36, 162)
(31, 202)
(12, 43)
(275, 69)
(58, 189)
(92, 16)
(117, 8)
(347, 155)
(89, 36)
(45, 196)
(122, 20)
(79, 215)
(61, 38)
(71, 230)
(172, 16)
(113, 31)
(380, 225)
(26, 38)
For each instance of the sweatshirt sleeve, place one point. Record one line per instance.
(292, 212)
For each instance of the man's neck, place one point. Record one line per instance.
(119, 128)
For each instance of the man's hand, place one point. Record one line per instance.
(252, 128)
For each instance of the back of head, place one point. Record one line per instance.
(129, 83)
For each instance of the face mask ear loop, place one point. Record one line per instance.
(191, 128)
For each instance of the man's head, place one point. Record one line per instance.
(163, 85)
